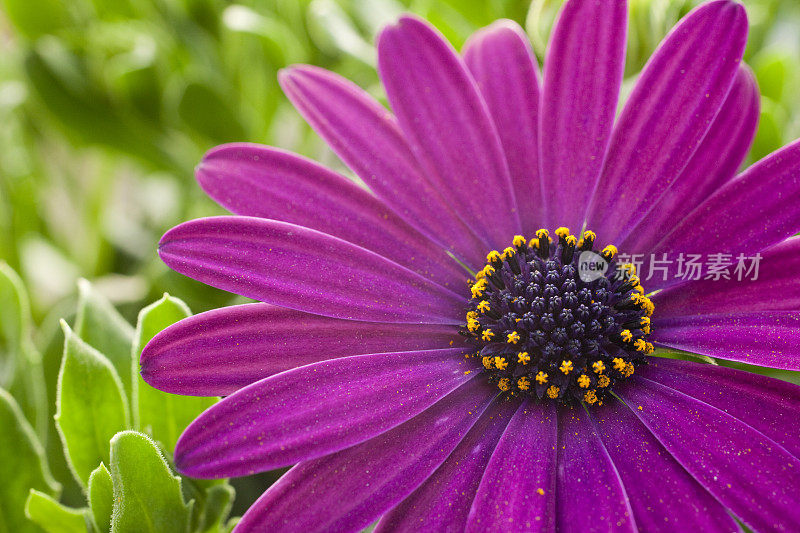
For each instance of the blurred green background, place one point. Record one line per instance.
(107, 105)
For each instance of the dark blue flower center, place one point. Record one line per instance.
(558, 320)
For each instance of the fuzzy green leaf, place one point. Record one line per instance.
(100, 325)
(53, 517)
(147, 496)
(22, 466)
(101, 497)
(219, 500)
(164, 416)
(91, 405)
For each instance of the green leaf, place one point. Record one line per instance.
(101, 497)
(20, 363)
(209, 113)
(219, 500)
(90, 407)
(164, 416)
(53, 517)
(147, 496)
(103, 328)
(22, 466)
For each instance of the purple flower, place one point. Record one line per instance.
(530, 399)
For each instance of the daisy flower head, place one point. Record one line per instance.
(530, 397)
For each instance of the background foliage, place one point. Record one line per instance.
(105, 108)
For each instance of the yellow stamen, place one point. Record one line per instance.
(552, 392)
(562, 232)
(523, 383)
(487, 335)
(493, 256)
(598, 367)
(523, 358)
(566, 367)
(500, 363)
(619, 363)
(472, 315)
(626, 335)
(609, 251)
(487, 361)
(603, 381)
(590, 397)
(483, 306)
(513, 337)
(504, 384)
(541, 378)
(584, 381)
(518, 241)
(640, 345)
(508, 253)
(628, 370)
(542, 234)
(571, 240)
(473, 325)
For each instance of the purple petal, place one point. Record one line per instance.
(367, 138)
(765, 404)
(448, 126)
(762, 338)
(587, 479)
(503, 65)
(747, 472)
(260, 181)
(443, 502)
(518, 488)
(676, 98)
(315, 410)
(303, 269)
(748, 214)
(715, 162)
(582, 78)
(218, 352)
(664, 496)
(775, 288)
(372, 477)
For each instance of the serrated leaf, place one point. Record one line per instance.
(100, 325)
(101, 497)
(22, 466)
(91, 406)
(53, 517)
(219, 500)
(147, 496)
(164, 416)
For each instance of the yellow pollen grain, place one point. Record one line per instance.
(566, 367)
(626, 335)
(552, 392)
(598, 367)
(523, 383)
(483, 306)
(562, 232)
(619, 363)
(487, 361)
(504, 384)
(603, 381)
(584, 381)
(487, 335)
(513, 337)
(500, 363)
(472, 315)
(590, 397)
(519, 240)
(540, 491)
(523, 358)
(493, 256)
(650, 348)
(541, 378)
